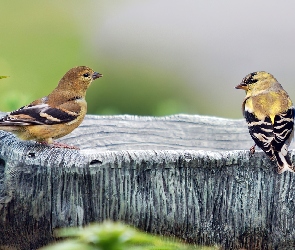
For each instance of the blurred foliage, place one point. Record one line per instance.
(40, 44)
(45, 39)
(138, 89)
(1, 77)
(14, 99)
(115, 236)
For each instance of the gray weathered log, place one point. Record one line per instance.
(184, 175)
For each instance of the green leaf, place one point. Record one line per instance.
(116, 236)
(3, 77)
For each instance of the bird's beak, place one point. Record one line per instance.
(96, 75)
(242, 86)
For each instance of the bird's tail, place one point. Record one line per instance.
(284, 162)
(9, 128)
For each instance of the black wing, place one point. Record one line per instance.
(283, 128)
(261, 131)
(37, 115)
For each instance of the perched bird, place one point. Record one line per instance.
(55, 115)
(270, 116)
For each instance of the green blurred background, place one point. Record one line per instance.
(157, 57)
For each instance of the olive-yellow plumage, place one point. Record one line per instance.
(270, 116)
(55, 115)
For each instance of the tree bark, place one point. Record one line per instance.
(184, 175)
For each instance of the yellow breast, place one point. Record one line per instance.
(268, 105)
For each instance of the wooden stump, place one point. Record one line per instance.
(184, 175)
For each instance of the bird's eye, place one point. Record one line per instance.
(86, 75)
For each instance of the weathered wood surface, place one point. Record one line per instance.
(183, 175)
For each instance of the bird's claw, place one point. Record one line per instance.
(252, 149)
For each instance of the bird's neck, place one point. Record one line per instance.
(62, 95)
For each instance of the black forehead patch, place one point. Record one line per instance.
(249, 78)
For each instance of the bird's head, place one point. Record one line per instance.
(257, 81)
(78, 78)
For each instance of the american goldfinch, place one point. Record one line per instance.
(55, 115)
(270, 116)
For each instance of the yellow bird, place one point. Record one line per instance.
(270, 116)
(55, 115)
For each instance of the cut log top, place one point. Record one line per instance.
(177, 132)
(185, 175)
(108, 137)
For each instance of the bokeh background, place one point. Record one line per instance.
(158, 57)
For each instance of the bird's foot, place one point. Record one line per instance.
(252, 149)
(272, 158)
(59, 145)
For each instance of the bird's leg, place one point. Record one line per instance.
(252, 149)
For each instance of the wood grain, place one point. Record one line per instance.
(184, 175)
